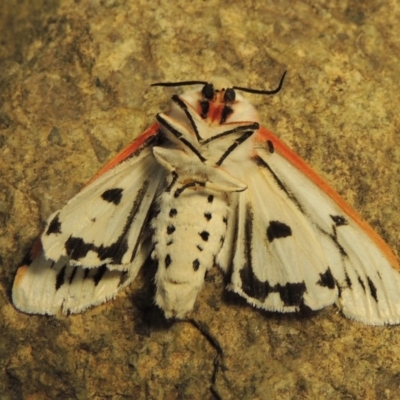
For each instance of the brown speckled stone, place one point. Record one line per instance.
(74, 89)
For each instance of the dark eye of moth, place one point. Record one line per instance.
(208, 91)
(229, 95)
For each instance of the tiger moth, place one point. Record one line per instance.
(206, 185)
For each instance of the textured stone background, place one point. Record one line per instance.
(74, 89)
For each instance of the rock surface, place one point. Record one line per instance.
(74, 89)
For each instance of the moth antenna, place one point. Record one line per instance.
(249, 90)
(174, 84)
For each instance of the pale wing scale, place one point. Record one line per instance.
(57, 278)
(103, 223)
(368, 283)
(46, 286)
(279, 264)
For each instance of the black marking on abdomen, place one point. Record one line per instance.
(54, 226)
(339, 220)
(113, 195)
(278, 230)
(271, 147)
(60, 278)
(99, 274)
(372, 289)
(327, 279)
(204, 235)
(196, 264)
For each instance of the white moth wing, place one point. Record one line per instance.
(45, 286)
(368, 283)
(109, 247)
(278, 262)
(103, 223)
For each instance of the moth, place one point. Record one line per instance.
(206, 185)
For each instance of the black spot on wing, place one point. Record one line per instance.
(339, 220)
(210, 198)
(77, 248)
(252, 286)
(204, 235)
(60, 278)
(348, 280)
(327, 280)
(372, 289)
(114, 251)
(342, 251)
(122, 279)
(98, 275)
(72, 276)
(278, 230)
(167, 261)
(291, 293)
(199, 247)
(271, 147)
(54, 226)
(173, 212)
(361, 282)
(113, 195)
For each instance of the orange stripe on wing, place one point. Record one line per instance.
(20, 275)
(127, 151)
(290, 155)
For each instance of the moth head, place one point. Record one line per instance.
(218, 90)
(218, 101)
